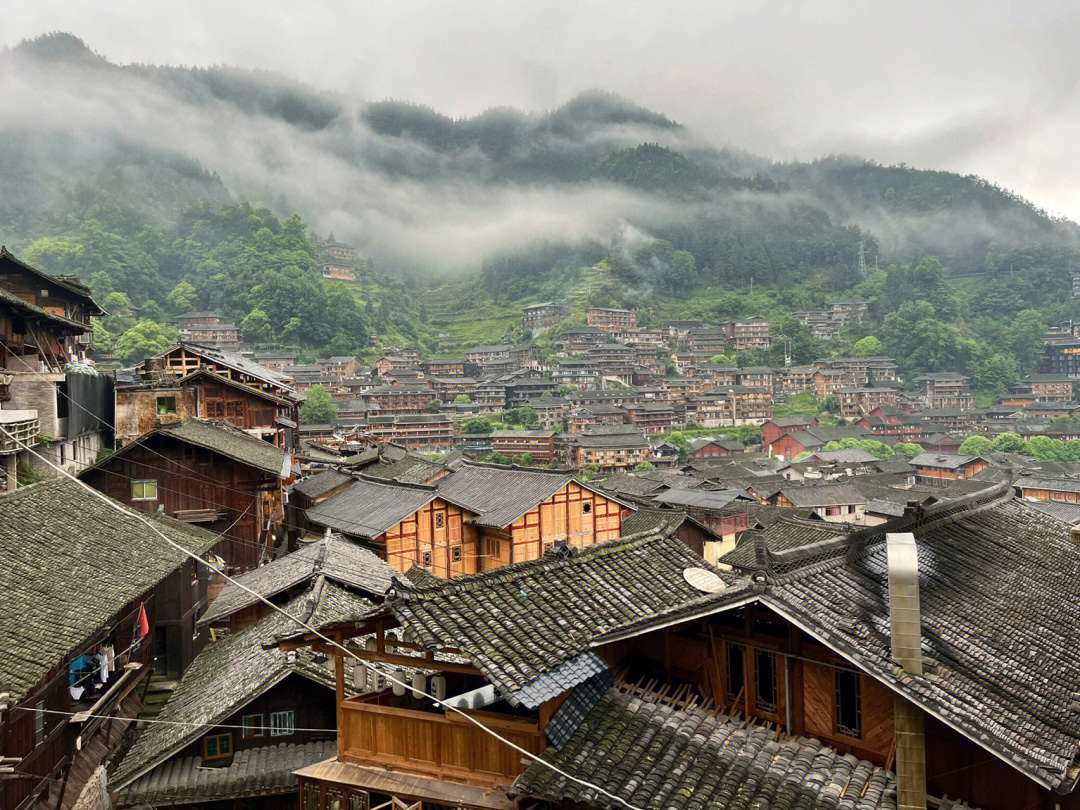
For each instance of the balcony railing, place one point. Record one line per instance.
(19, 428)
(445, 746)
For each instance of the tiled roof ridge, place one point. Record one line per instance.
(393, 482)
(514, 467)
(568, 555)
(844, 548)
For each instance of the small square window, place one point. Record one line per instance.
(425, 559)
(253, 726)
(440, 520)
(166, 405)
(455, 554)
(282, 724)
(145, 490)
(216, 746)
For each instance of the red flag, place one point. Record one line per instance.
(144, 624)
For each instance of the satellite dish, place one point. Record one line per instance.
(702, 580)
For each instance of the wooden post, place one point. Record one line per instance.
(339, 683)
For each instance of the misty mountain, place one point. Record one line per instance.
(415, 189)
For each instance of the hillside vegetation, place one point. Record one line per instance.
(461, 222)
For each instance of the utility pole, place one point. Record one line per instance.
(860, 266)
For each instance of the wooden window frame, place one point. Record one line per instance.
(842, 729)
(169, 403)
(254, 727)
(217, 738)
(426, 558)
(456, 554)
(730, 649)
(41, 725)
(141, 483)
(275, 730)
(440, 520)
(773, 706)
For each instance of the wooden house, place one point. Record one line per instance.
(940, 468)
(476, 518)
(185, 358)
(206, 473)
(204, 393)
(91, 599)
(785, 684)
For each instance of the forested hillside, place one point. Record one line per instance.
(171, 188)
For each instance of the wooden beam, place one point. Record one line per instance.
(415, 662)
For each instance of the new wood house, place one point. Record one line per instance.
(478, 517)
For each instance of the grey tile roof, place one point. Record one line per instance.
(57, 532)
(784, 534)
(367, 508)
(336, 558)
(499, 495)
(253, 772)
(823, 495)
(645, 519)
(945, 461)
(229, 441)
(562, 678)
(1058, 484)
(520, 621)
(1065, 512)
(654, 756)
(317, 485)
(999, 617)
(230, 673)
(704, 499)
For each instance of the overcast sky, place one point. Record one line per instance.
(985, 88)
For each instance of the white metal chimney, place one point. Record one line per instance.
(905, 624)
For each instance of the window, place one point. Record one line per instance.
(765, 681)
(455, 554)
(216, 746)
(848, 704)
(253, 726)
(735, 680)
(492, 547)
(440, 520)
(334, 799)
(166, 405)
(586, 507)
(39, 723)
(425, 559)
(145, 490)
(282, 724)
(311, 797)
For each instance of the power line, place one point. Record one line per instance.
(149, 720)
(392, 679)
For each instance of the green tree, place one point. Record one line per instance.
(1025, 336)
(976, 446)
(103, 340)
(256, 327)
(319, 408)
(144, 339)
(869, 346)
(182, 297)
(1045, 448)
(117, 302)
(477, 425)
(907, 448)
(590, 471)
(434, 406)
(1010, 443)
(462, 399)
(644, 466)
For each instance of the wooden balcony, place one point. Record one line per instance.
(19, 428)
(444, 746)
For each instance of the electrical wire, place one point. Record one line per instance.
(445, 568)
(318, 634)
(166, 722)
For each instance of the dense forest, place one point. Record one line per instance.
(597, 202)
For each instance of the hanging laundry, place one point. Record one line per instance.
(76, 691)
(103, 667)
(110, 654)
